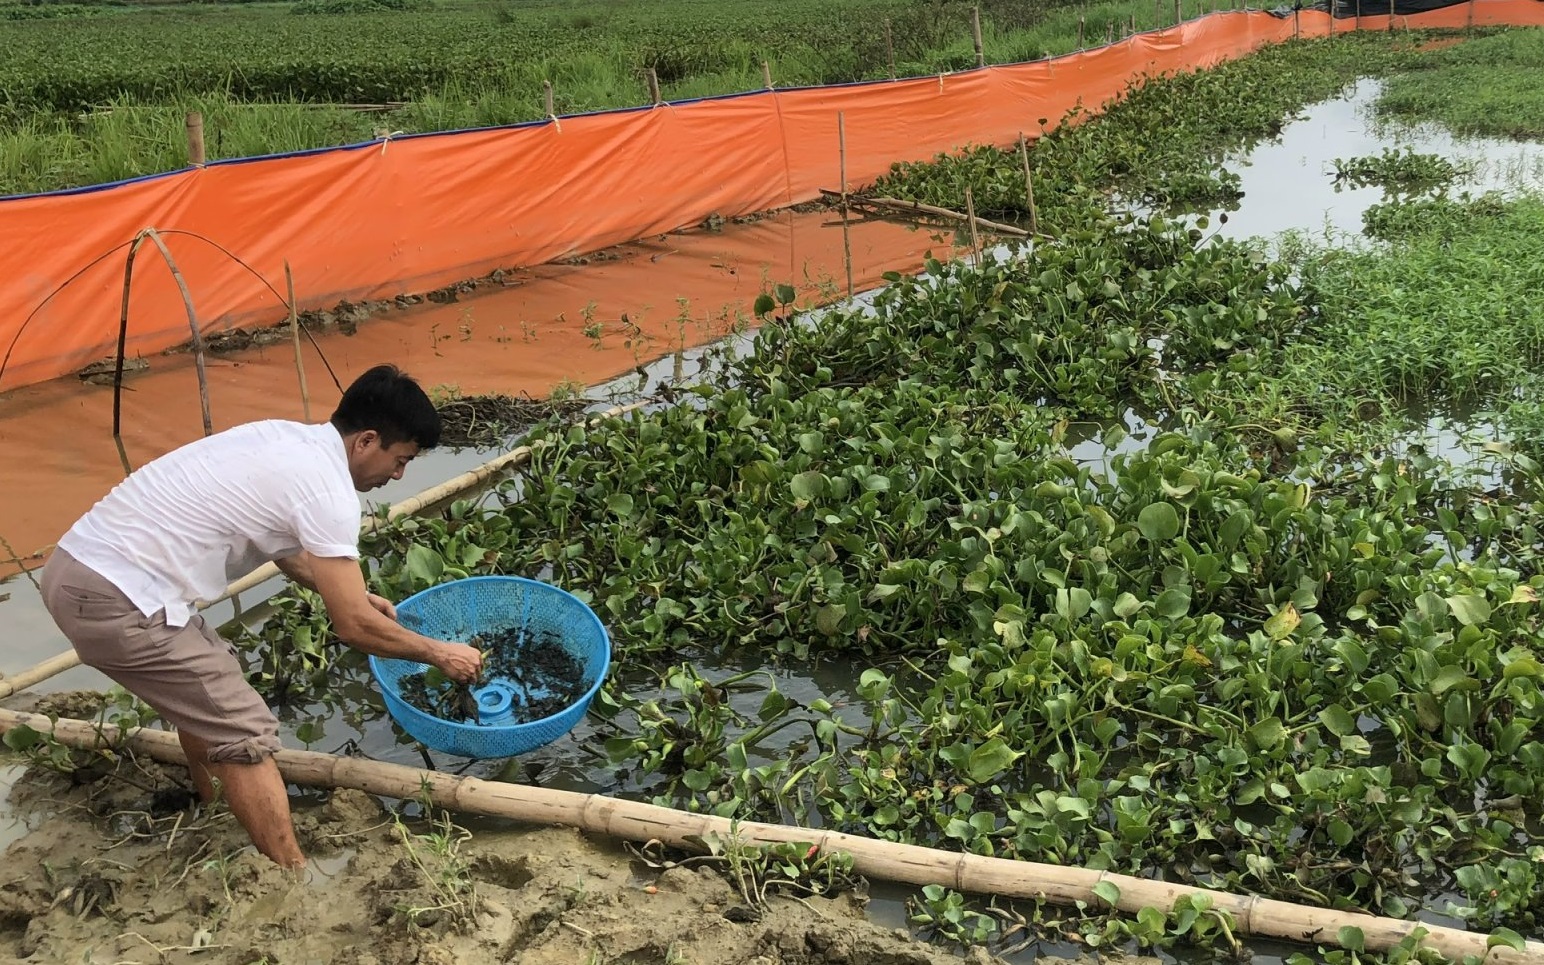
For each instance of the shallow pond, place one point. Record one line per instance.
(1288, 185)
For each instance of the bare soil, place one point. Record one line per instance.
(118, 863)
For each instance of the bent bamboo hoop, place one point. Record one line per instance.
(883, 860)
(450, 488)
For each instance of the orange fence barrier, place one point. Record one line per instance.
(414, 213)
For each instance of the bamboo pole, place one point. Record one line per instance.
(970, 219)
(198, 335)
(1391, 16)
(766, 74)
(883, 860)
(194, 124)
(300, 365)
(890, 46)
(434, 495)
(916, 207)
(123, 334)
(841, 147)
(975, 36)
(123, 331)
(547, 99)
(1029, 185)
(654, 86)
(1080, 30)
(1179, 13)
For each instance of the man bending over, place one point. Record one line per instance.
(124, 581)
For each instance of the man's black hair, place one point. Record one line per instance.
(390, 402)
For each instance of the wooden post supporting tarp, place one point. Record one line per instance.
(881, 860)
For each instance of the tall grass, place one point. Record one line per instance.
(127, 139)
(1488, 86)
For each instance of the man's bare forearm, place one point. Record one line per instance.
(298, 568)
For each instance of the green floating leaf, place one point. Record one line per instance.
(1173, 603)
(1283, 622)
(808, 485)
(1351, 938)
(828, 619)
(1268, 733)
(1339, 722)
(1469, 609)
(1108, 891)
(424, 565)
(21, 738)
(1523, 667)
(990, 760)
(1506, 937)
(1158, 522)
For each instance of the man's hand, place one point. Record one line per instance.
(382, 606)
(460, 662)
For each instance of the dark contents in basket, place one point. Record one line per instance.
(546, 677)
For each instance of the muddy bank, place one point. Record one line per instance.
(119, 864)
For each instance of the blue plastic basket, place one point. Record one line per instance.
(462, 609)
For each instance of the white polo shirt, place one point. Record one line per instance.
(182, 527)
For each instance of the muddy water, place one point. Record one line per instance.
(573, 324)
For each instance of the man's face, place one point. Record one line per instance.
(373, 465)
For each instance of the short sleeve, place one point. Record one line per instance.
(327, 527)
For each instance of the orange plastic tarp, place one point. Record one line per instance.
(411, 214)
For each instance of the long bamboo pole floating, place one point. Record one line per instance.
(883, 860)
(914, 207)
(448, 489)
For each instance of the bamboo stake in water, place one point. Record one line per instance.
(198, 335)
(841, 147)
(1029, 185)
(123, 332)
(195, 129)
(975, 36)
(970, 219)
(300, 365)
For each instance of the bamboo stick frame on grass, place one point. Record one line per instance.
(883, 860)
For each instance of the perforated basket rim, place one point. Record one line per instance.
(453, 726)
